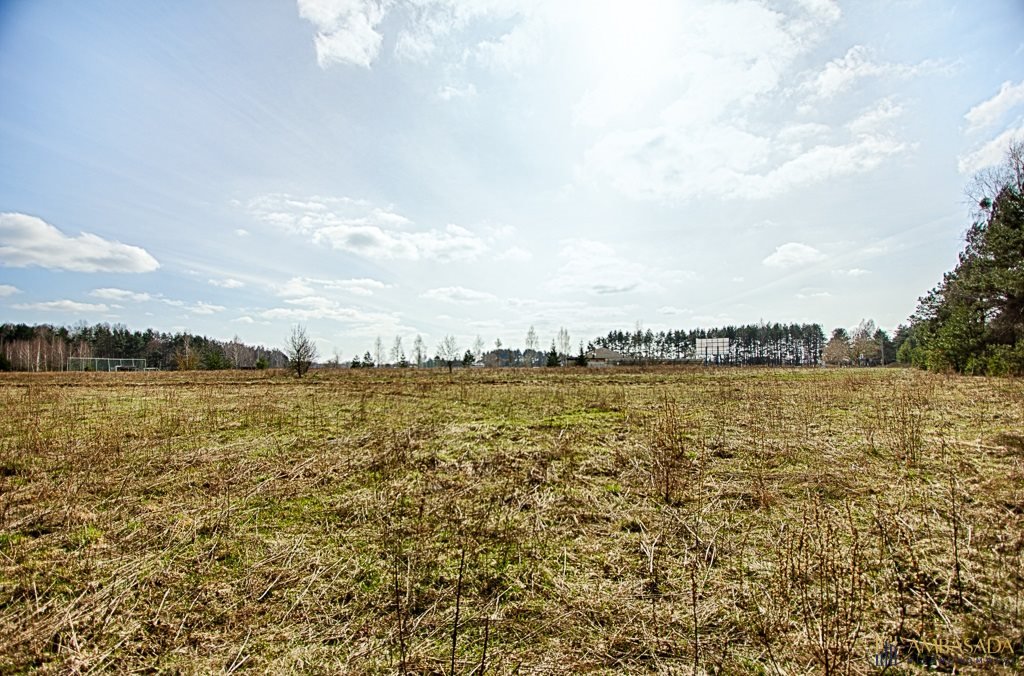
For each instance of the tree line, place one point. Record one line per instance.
(749, 344)
(48, 348)
(973, 320)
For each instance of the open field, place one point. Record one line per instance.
(731, 521)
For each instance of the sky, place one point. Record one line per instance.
(389, 168)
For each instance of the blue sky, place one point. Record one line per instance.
(475, 167)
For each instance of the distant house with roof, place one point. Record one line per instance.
(602, 356)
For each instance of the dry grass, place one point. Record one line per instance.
(685, 521)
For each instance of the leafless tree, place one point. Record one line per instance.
(863, 345)
(564, 344)
(301, 350)
(448, 351)
(397, 353)
(419, 350)
(532, 343)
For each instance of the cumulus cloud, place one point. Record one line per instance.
(28, 240)
(360, 228)
(346, 30)
(793, 254)
(990, 111)
(64, 306)
(457, 294)
(8, 290)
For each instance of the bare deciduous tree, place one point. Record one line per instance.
(419, 350)
(531, 346)
(397, 353)
(448, 351)
(301, 350)
(564, 344)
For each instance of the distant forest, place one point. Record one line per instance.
(774, 344)
(47, 348)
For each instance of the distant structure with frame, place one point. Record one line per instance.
(105, 364)
(713, 350)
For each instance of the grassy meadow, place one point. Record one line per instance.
(512, 521)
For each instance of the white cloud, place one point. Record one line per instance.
(360, 228)
(839, 75)
(516, 254)
(415, 45)
(989, 112)
(199, 308)
(308, 286)
(64, 306)
(875, 118)
(793, 254)
(8, 290)
(450, 92)
(245, 319)
(241, 232)
(227, 283)
(457, 294)
(359, 322)
(518, 48)
(990, 153)
(725, 161)
(825, 11)
(120, 295)
(810, 294)
(673, 311)
(346, 30)
(27, 240)
(597, 268)
(853, 272)
(202, 308)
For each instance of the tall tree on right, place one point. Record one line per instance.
(973, 321)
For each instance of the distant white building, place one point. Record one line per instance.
(602, 356)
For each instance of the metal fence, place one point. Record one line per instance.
(105, 364)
